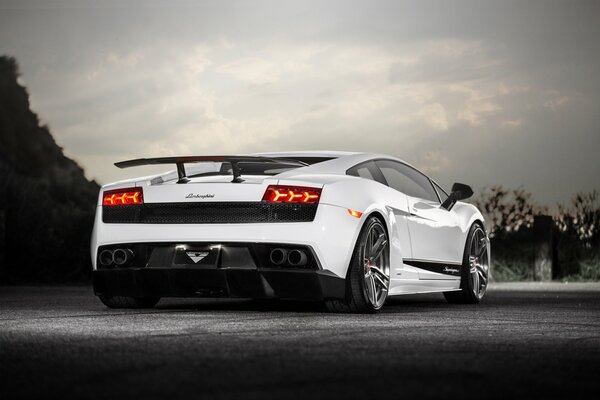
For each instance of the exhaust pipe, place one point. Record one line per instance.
(106, 257)
(278, 256)
(297, 258)
(122, 257)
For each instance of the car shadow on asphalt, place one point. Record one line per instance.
(406, 304)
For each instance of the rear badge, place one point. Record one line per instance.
(196, 255)
(200, 196)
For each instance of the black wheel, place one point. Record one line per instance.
(128, 302)
(368, 276)
(475, 269)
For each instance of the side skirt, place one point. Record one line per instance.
(414, 286)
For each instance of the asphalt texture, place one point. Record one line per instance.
(528, 341)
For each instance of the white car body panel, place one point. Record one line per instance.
(419, 230)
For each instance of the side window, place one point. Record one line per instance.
(441, 192)
(407, 180)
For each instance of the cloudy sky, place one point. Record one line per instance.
(480, 92)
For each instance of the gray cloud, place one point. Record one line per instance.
(482, 92)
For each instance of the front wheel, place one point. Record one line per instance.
(128, 302)
(368, 277)
(475, 269)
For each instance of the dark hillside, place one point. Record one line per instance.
(46, 202)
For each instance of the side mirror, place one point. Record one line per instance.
(460, 191)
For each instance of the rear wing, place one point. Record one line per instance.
(181, 161)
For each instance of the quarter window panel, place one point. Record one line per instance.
(367, 170)
(361, 171)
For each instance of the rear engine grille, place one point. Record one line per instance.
(208, 213)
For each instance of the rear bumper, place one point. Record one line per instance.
(331, 235)
(225, 282)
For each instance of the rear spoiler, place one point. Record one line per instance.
(181, 161)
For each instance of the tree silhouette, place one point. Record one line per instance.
(46, 203)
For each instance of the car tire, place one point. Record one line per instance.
(475, 269)
(360, 299)
(128, 302)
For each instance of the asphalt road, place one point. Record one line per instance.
(521, 342)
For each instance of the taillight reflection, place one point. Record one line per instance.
(120, 197)
(292, 194)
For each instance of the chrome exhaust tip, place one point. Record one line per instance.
(278, 256)
(297, 258)
(106, 258)
(122, 257)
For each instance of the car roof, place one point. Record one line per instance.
(352, 157)
(339, 163)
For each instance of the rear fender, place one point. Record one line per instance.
(372, 198)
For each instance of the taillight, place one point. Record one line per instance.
(291, 194)
(121, 197)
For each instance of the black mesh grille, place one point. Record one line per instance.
(209, 213)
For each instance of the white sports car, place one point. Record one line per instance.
(349, 229)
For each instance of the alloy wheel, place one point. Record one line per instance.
(376, 268)
(479, 263)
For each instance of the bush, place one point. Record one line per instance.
(510, 215)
